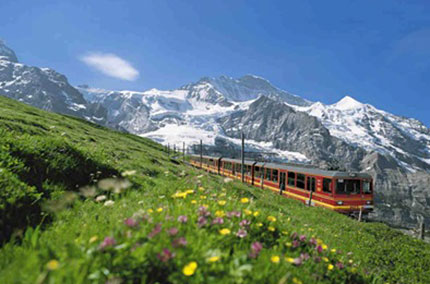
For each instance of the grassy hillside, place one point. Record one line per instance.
(81, 203)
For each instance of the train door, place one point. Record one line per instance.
(282, 178)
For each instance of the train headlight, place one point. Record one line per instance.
(368, 202)
(339, 202)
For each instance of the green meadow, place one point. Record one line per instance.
(84, 204)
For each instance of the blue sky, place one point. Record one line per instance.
(375, 51)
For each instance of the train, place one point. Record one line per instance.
(345, 192)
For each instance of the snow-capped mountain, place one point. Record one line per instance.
(347, 134)
(43, 88)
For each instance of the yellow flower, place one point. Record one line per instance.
(201, 188)
(319, 242)
(247, 212)
(150, 210)
(224, 231)
(288, 219)
(159, 209)
(285, 232)
(330, 267)
(297, 281)
(325, 259)
(93, 239)
(52, 264)
(350, 261)
(214, 258)
(223, 194)
(222, 202)
(205, 205)
(259, 224)
(271, 218)
(190, 268)
(189, 191)
(324, 246)
(270, 228)
(275, 259)
(289, 259)
(333, 250)
(244, 200)
(256, 213)
(193, 201)
(219, 213)
(203, 197)
(288, 244)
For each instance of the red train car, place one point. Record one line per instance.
(344, 192)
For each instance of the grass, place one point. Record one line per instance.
(81, 203)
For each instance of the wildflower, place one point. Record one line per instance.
(222, 202)
(256, 247)
(244, 223)
(295, 244)
(179, 242)
(325, 259)
(193, 201)
(302, 238)
(214, 258)
(319, 249)
(285, 232)
(109, 203)
(241, 233)
(131, 222)
(165, 255)
(155, 231)
(271, 228)
(275, 259)
(150, 210)
(297, 281)
(271, 218)
(224, 231)
(201, 188)
(52, 264)
(244, 200)
(202, 196)
(172, 231)
(340, 265)
(247, 212)
(350, 261)
(288, 244)
(298, 261)
(289, 259)
(182, 219)
(330, 267)
(304, 256)
(101, 198)
(107, 242)
(190, 268)
(93, 239)
(160, 209)
(324, 246)
(128, 173)
(333, 250)
(233, 214)
(294, 235)
(201, 221)
(189, 191)
(259, 224)
(219, 213)
(203, 211)
(218, 221)
(256, 213)
(313, 241)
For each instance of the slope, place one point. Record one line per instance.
(166, 222)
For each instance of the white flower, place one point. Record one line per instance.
(109, 203)
(101, 198)
(128, 173)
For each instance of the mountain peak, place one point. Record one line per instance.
(348, 103)
(6, 53)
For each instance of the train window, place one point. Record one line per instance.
(238, 168)
(268, 175)
(257, 172)
(311, 184)
(248, 170)
(300, 181)
(347, 186)
(366, 187)
(291, 178)
(275, 176)
(327, 185)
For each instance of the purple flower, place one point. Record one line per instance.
(165, 255)
(340, 265)
(233, 214)
(304, 256)
(183, 219)
(244, 223)
(155, 231)
(203, 211)
(313, 241)
(180, 242)
(218, 221)
(298, 261)
(319, 249)
(107, 242)
(201, 221)
(241, 233)
(295, 244)
(256, 247)
(131, 222)
(172, 231)
(302, 238)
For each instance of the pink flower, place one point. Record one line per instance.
(319, 249)
(304, 256)
(298, 261)
(131, 222)
(183, 219)
(233, 214)
(165, 255)
(218, 221)
(295, 243)
(256, 247)
(201, 221)
(203, 211)
(155, 231)
(244, 223)
(179, 242)
(241, 233)
(340, 265)
(302, 238)
(313, 241)
(107, 242)
(172, 231)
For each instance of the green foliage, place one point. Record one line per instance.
(62, 199)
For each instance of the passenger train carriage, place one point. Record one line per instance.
(336, 190)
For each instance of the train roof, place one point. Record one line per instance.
(296, 168)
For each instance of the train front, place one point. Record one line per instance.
(353, 193)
